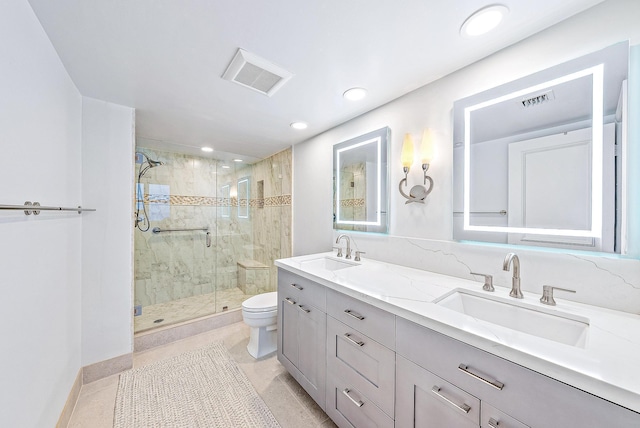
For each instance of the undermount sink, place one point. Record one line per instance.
(329, 264)
(519, 316)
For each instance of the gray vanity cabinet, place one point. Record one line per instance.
(302, 332)
(510, 391)
(369, 368)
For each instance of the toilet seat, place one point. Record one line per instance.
(265, 302)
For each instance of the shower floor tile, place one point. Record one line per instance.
(189, 308)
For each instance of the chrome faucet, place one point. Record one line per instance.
(515, 281)
(348, 250)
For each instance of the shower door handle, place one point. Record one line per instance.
(208, 239)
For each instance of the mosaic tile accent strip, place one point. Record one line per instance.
(272, 201)
(352, 202)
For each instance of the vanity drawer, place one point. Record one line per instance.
(349, 407)
(528, 396)
(373, 322)
(301, 290)
(362, 363)
(490, 417)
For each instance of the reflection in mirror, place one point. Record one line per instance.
(535, 160)
(243, 197)
(360, 183)
(225, 194)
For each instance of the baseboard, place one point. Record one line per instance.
(161, 336)
(72, 399)
(106, 368)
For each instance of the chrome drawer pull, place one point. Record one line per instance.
(355, 342)
(288, 300)
(495, 383)
(353, 314)
(358, 403)
(294, 285)
(304, 309)
(462, 407)
(493, 423)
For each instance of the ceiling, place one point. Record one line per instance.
(165, 58)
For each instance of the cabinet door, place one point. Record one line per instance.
(302, 344)
(289, 330)
(423, 400)
(312, 334)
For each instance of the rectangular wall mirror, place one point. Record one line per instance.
(360, 177)
(538, 161)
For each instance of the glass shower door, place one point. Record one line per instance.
(175, 257)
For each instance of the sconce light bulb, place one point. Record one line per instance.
(426, 147)
(407, 151)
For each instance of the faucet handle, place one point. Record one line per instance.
(547, 294)
(488, 281)
(357, 257)
(339, 251)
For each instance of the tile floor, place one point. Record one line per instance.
(188, 308)
(289, 403)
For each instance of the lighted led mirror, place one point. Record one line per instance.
(538, 161)
(360, 183)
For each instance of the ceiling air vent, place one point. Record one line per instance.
(538, 99)
(256, 73)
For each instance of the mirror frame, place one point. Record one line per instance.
(381, 138)
(594, 65)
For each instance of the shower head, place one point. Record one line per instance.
(153, 164)
(150, 164)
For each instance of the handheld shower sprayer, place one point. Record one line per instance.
(142, 223)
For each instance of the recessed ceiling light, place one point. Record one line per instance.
(206, 149)
(483, 20)
(237, 160)
(355, 94)
(226, 166)
(298, 125)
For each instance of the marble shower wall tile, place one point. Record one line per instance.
(188, 193)
(272, 222)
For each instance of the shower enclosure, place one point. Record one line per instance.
(206, 233)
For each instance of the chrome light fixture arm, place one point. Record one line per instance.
(418, 193)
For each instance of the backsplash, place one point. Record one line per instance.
(605, 281)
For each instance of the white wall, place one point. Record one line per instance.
(40, 257)
(107, 234)
(429, 226)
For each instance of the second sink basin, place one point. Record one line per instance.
(328, 263)
(519, 316)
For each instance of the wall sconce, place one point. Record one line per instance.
(419, 192)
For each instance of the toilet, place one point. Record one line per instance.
(260, 312)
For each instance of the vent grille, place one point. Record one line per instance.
(253, 72)
(537, 99)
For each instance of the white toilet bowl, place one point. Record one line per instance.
(260, 312)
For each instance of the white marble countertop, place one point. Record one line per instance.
(608, 365)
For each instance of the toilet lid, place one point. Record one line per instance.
(261, 303)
